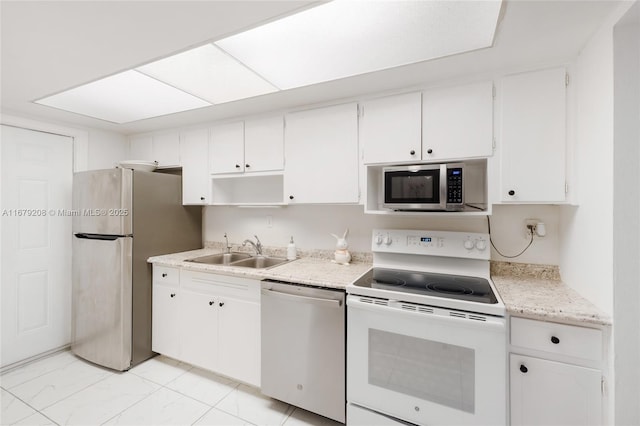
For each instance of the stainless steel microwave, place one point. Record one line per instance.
(426, 187)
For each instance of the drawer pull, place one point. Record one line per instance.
(211, 303)
(172, 295)
(221, 304)
(164, 275)
(523, 368)
(555, 340)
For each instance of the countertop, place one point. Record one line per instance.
(531, 291)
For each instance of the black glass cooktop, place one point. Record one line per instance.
(474, 289)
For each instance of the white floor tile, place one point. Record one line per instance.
(13, 409)
(57, 385)
(163, 407)
(101, 401)
(160, 369)
(203, 385)
(249, 404)
(37, 368)
(301, 417)
(216, 417)
(35, 420)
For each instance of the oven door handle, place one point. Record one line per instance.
(489, 322)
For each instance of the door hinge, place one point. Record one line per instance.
(566, 188)
(566, 79)
(284, 122)
(360, 110)
(603, 386)
(493, 144)
(493, 91)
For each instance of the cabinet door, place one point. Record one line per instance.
(390, 129)
(321, 155)
(239, 340)
(533, 137)
(196, 182)
(226, 148)
(457, 122)
(554, 393)
(141, 148)
(200, 331)
(166, 327)
(264, 144)
(166, 149)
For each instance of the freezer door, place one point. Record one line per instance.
(102, 202)
(101, 300)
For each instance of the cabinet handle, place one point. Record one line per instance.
(237, 166)
(221, 304)
(429, 151)
(172, 295)
(291, 197)
(247, 166)
(555, 340)
(202, 198)
(412, 152)
(512, 192)
(211, 303)
(523, 368)
(164, 274)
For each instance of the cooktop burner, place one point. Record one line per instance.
(473, 289)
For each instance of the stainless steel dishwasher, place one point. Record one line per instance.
(303, 347)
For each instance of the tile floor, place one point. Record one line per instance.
(65, 390)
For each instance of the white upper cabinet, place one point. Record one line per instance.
(457, 122)
(227, 148)
(321, 154)
(264, 144)
(390, 129)
(163, 148)
(533, 137)
(194, 148)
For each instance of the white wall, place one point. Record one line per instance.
(311, 225)
(106, 149)
(587, 241)
(626, 217)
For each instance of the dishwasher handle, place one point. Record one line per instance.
(329, 303)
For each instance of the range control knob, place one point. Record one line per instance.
(481, 245)
(388, 240)
(378, 239)
(468, 244)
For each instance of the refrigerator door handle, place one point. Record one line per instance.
(99, 236)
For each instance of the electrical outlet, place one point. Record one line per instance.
(531, 228)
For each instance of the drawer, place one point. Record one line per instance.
(220, 285)
(578, 342)
(166, 275)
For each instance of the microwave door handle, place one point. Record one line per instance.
(443, 186)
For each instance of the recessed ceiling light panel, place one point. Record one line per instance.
(346, 38)
(124, 97)
(209, 73)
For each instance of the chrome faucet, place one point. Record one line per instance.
(257, 245)
(227, 247)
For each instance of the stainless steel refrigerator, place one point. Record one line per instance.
(120, 218)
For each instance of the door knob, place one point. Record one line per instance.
(523, 368)
(429, 151)
(512, 192)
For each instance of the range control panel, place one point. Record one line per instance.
(468, 245)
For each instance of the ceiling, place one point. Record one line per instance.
(51, 46)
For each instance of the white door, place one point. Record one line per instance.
(37, 171)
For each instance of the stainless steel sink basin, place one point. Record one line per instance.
(260, 262)
(220, 258)
(243, 260)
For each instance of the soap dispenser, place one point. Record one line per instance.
(291, 250)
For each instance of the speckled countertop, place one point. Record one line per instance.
(531, 291)
(312, 268)
(536, 292)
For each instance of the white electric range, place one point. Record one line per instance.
(426, 333)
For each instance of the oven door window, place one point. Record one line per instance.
(431, 371)
(405, 187)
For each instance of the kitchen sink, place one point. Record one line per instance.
(220, 258)
(260, 262)
(243, 260)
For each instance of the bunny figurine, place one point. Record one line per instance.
(342, 255)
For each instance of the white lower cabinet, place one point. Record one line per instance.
(546, 392)
(555, 374)
(212, 322)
